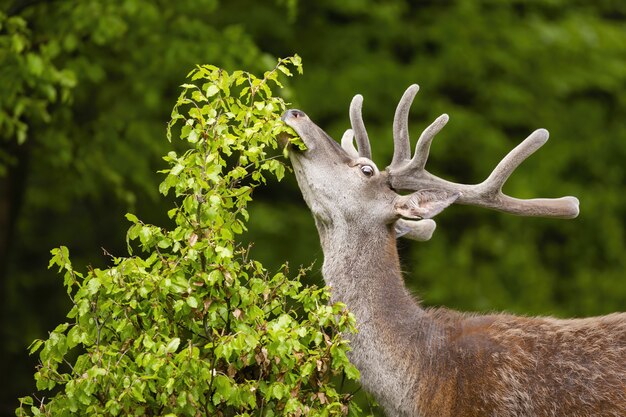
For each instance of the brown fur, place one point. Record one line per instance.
(518, 366)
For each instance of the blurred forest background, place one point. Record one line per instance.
(87, 86)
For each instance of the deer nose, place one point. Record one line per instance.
(292, 114)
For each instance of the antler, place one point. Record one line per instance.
(357, 132)
(408, 173)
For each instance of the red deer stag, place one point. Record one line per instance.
(437, 362)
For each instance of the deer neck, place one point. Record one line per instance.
(363, 270)
(394, 333)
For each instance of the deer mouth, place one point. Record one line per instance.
(285, 139)
(293, 118)
(312, 140)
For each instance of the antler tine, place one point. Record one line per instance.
(401, 141)
(356, 120)
(513, 159)
(347, 143)
(491, 188)
(422, 149)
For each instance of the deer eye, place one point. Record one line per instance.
(367, 170)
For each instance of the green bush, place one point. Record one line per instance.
(194, 326)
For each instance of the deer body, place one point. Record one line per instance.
(437, 362)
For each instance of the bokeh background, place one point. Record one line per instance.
(87, 86)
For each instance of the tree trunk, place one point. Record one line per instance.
(12, 187)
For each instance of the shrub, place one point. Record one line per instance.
(193, 326)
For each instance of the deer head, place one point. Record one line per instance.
(341, 184)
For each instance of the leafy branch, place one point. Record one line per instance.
(193, 322)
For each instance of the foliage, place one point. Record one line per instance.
(91, 110)
(195, 326)
(31, 82)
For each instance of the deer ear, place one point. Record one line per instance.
(424, 204)
(420, 230)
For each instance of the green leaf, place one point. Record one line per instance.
(34, 347)
(192, 301)
(93, 285)
(212, 90)
(172, 346)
